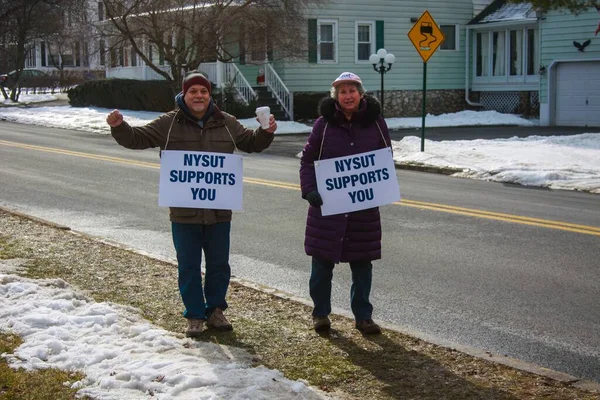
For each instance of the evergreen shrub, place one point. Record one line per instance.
(230, 104)
(127, 94)
(306, 105)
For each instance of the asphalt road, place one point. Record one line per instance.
(508, 269)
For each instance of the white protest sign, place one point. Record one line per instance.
(357, 182)
(197, 179)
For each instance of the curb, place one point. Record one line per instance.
(472, 351)
(426, 168)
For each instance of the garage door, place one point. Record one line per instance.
(578, 94)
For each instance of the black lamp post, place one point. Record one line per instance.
(379, 61)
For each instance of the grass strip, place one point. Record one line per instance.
(276, 331)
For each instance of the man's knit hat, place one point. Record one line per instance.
(195, 78)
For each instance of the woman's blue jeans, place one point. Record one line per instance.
(320, 288)
(190, 240)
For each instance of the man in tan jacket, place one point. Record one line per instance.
(197, 125)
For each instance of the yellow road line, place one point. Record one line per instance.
(517, 219)
(79, 154)
(495, 214)
(563, 226)
(284, 185)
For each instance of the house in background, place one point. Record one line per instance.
(523, 61)
(570, 60)
(497, 55)
(341, 35)
(502, 62)
(75, 51)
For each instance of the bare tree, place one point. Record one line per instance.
(188, 32)
(66, 44)
(24, 21)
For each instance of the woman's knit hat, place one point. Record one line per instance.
(195, 78)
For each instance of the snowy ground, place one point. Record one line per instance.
(123, 356)
(557, 162)
(92, 119)
(26, 98)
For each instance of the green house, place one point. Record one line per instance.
(496, 55)
(523, 61)
(341, 35)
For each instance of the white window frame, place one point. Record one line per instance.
(485, 67)
(503, 50)
(69, 51)
(31, 57)
(506, 78)
(456, 37)
(372, 34)
(249, 59)
(536, 73)
(333, 22)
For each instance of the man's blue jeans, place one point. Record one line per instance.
(320, 288)
(190, 240)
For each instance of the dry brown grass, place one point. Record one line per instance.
(39, 385)
(275, 330)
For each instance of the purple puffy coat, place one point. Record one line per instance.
(354, 236)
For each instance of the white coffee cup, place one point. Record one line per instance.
(263, 114)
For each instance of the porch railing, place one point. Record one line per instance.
(236, 78)
(280, 91)
(219, 73)
(211, 69)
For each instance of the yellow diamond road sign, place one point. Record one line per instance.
(426, 36)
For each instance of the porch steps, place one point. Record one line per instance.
(266, 98)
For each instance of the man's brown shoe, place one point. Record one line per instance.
(368, 327)
(321, 323)
(194, 328)
(218, 321)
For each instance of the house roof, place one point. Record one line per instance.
(502, 11)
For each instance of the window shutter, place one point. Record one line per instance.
(312, 40)
(379, 35)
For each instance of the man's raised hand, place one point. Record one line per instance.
(114, 119)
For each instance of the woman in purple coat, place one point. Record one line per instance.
(350, 123)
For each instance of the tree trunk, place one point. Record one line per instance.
(19, 62)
